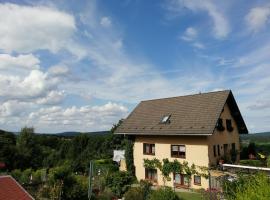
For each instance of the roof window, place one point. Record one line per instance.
(165, 119)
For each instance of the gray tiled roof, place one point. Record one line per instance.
(190, 115)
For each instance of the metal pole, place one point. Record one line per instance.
(90, 180)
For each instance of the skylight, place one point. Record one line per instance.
(165, 119)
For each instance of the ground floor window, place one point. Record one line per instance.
(181, 179)
(197, 180)
(151, 174)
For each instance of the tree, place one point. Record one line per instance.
(8, 151)
(29, 150)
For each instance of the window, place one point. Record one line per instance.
(214, 149)
(165, 119)
(151, 174)
(148, 149)
(180, 179)
(229, 125)
(219, 125)
(178, 151)
(233, 147)
(197, 180)
(225, 149)
(218, 150)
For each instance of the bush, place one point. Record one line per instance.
(255, 163)
(165, 193)
(119, 182)
(248, 187)
(139, 193)
(106, 195)
(135, 193)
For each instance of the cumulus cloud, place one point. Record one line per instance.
(84, 118)
(221, 27)
(35, 84)
(24, 61)
(14, 108)
(53, 97)
(26, 29)
(258, 17)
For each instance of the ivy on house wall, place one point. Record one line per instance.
(167, 167)
(129, 143)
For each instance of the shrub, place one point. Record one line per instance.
(135, 193)
(165, 193)
(119, 182)
(139, 193)
(255, 163)
(248, 187)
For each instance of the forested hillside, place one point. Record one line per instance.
(49, 165)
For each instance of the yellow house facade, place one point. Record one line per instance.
(201, 129)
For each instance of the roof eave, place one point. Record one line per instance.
(166, 134)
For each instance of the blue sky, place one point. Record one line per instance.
(83, 65)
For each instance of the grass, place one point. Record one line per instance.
(189, 195)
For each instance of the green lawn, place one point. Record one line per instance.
(189, 196)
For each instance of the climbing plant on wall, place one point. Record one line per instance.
(167, 167)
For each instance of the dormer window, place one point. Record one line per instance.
(165, 119)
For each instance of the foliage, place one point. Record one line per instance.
(255, 163)
(152, 164)
(167, 167)
(268, 161)
(248, 187)
(139, 193)
(129, 155)
(119, 182)
(165, 193)
(134, 193)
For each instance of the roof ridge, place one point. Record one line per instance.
(205, 93)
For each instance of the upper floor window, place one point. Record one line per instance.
(148, 149)
(178, 151)
(229, 125)
(219, 125)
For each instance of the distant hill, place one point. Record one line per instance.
(74, 133)
(256, 137)
(62, 134)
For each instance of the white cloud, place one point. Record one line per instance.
(84, 118)
(258, 17)
(198, 45)
(26, 29)
(24, 61)
(221, 27)
(53, 97)
(190, 34)
(58, 70)
(13, 108)
(36, 84)
(105, 22)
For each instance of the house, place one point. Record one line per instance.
(202, 129)
(10, 189)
